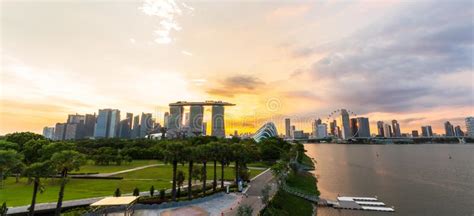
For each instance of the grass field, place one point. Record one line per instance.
(16, 194)
(303, 181)
(165, 172)
(92, 168)
(284, 203)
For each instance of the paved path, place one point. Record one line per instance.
(125, 171)
(253, 193)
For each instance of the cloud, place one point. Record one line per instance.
(307, 95)
(288, 11)
(238, 84)
(166, 11)
(184, 52)
(400, 64)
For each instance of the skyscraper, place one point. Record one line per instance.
(146, 124)
(353, 127)
(166, 119)
(396, 129)
(218, 127)
(426, 131)
(196, 113)
(175, 120)
(287, 128)
(126, 126)
(73, 131)
(60, 131)
(458, 132)
(322, 131)
(449, 129)
(380, 130)
(204, 128)
(48, 132)
(107, 123)
(363, 127)
(333, 128)
(345, 127)
(387, 130)
(136, 127)
(89, 125)
(470, 126)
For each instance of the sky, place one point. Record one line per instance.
(405, 60)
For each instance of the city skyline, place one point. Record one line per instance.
(381, 60)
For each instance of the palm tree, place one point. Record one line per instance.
(174, 153)
(214, 148)
(224, 157)
(65, 161)
(180, 180)
(202, 153)
(190, 157)
(237, 152)
(37, 171)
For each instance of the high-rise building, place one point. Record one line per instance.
(73, 131)
(126, 127)
(196, 114)
(333, 128)
(345, 127)
(75, 118)
(470, 126)
(292, 131)
(204, 128)
(322, 131)
(287, 128)
(363, 127)
(146, 124)
(48, 132)
(175, 120)
(426, 131)
(387, 130)
(380, 130)
(89, 125)
(353, 127)
(218, 127)
(314, 127)
(136, 127)
(414, 133)
(166, 119)
(107, 123)
(396, 129)
(60, 131)
(449, 129)
(458, 132)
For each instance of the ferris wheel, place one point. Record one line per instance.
(333, 120)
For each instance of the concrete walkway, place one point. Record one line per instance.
(252, 196)
(125, 171)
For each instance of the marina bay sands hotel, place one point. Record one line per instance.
(196, 113)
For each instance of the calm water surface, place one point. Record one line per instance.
(416, 179)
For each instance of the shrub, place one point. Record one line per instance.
(152, 191)
(136, 192)
(117, 192)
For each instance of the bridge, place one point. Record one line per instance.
(389, 140)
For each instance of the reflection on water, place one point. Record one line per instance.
(416, 179)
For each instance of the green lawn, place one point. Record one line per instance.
(92, 168)
(284, 203)
(303, 181)
(305, 160)
(16, 194)
(165, 172)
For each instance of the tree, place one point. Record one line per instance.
(37, 171)
(65, 161)
(3, 209)
(225, 155)
(136, 192)
(214, 155)
(279, 170)
(9, 159)
(32, 151)
(180, 178)
(174, 152)
(244, 210)
(162, 194)
(191, 157)
(202, 154)
(196, 175)
(6, 145)
(21, 138)
(152, 190)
